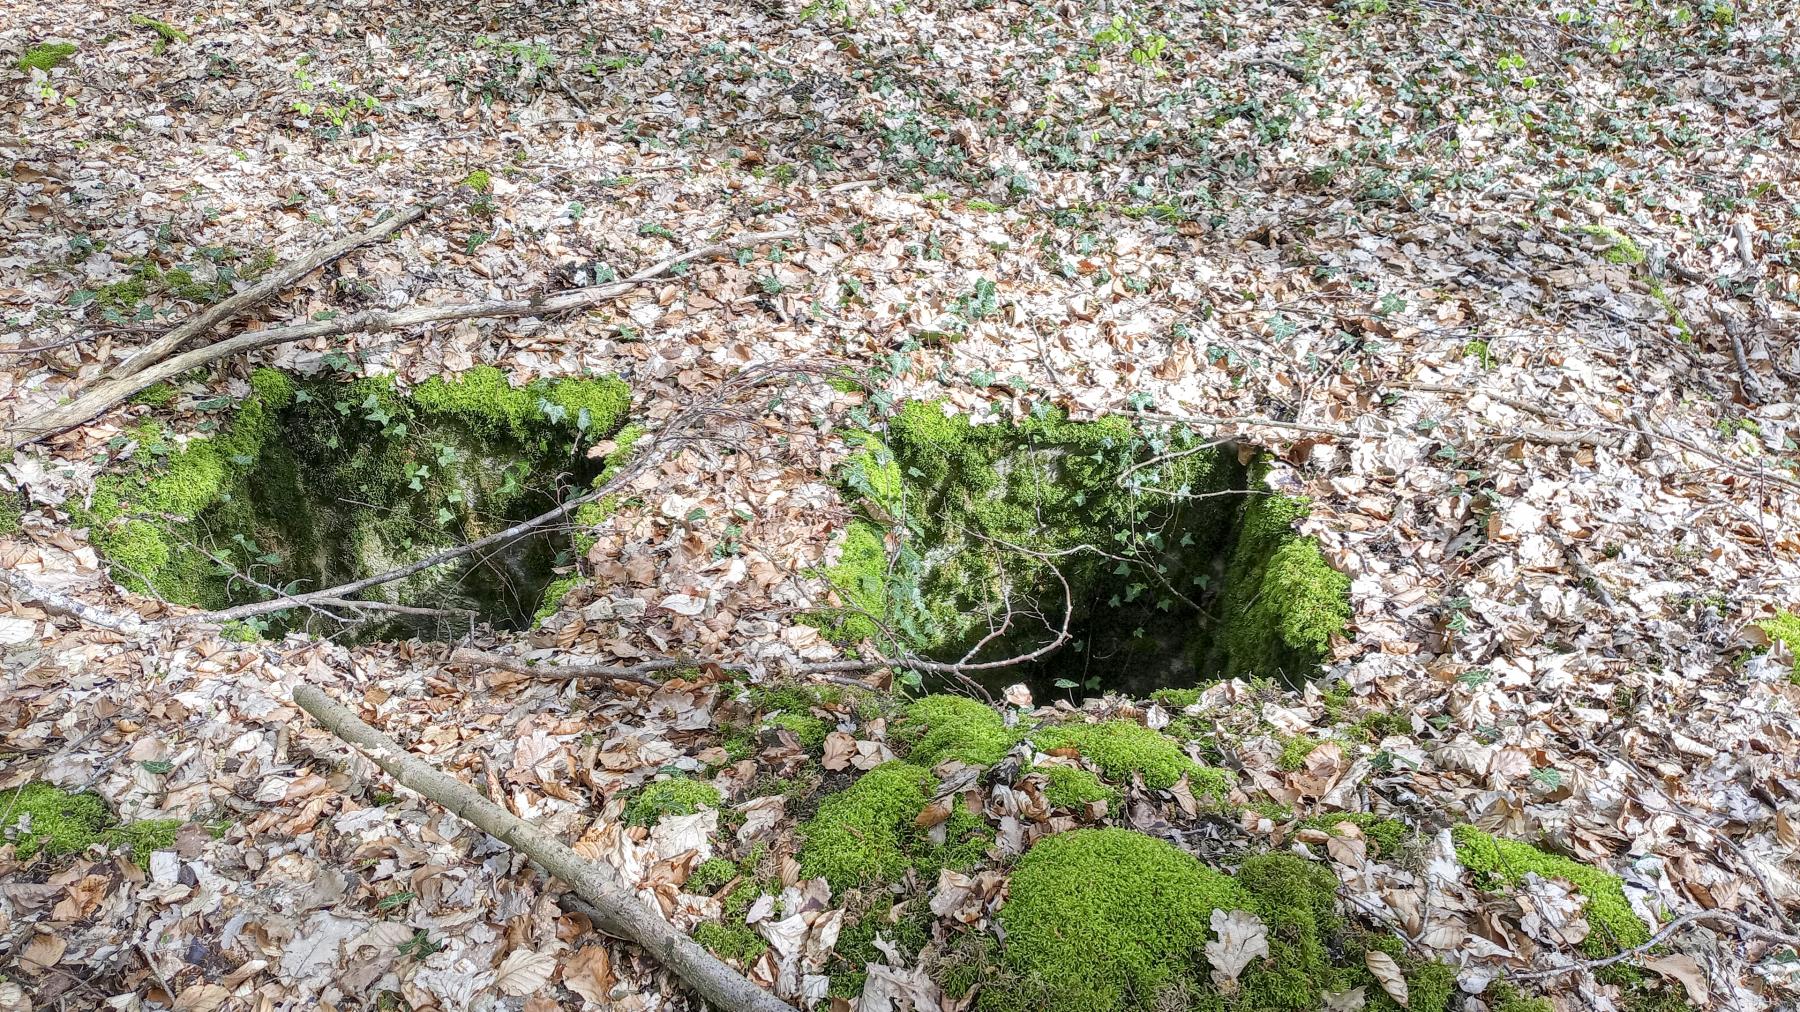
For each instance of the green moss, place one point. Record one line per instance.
(808, 729)
(12, 513)
(1294, 752)
(1179, 699)
(937, 728)
(1481, 352)
(1068, 787)
(1506, 998)
(481, 181)
(485, 402)
(674, 796)
(1620, 248)
(709, 876)
(1122, 747)
(860, 576)
(906, 926)
(166, 33)
(1785, 629)
(47, 56)
(1503, 863)
(735, 942)
(43, 819)
(1388, 834)
(156, 395)
(1287, 599)
(864, 834)
(554, 594)
(1108, 919)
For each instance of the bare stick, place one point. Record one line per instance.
(638, 673)
(268, 287)
(620, 912)
(109, 393)
(1715, 916)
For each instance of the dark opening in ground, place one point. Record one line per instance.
(316, 483)
(1181, 565)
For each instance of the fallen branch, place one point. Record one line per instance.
(268, 287)
(619, 912)
(1715, 916)
(639, 673)
(58, 603)
(109, 393)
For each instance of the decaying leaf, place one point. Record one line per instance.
(1241, 937)
(523, 972)
(1387, 973)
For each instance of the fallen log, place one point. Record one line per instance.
(619, 913)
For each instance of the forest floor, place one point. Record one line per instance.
(1509, 290)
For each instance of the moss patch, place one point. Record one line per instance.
(316, 483)
(674, 796)
(1785, 629)
(864, 834)
(47, 56)
(1068, 787)
(954, 727)
(1122, 747)
(737, 943)
(1620, 248)
(12, 512)
(1387, 834)
(42, 819)
(1504, 863)
(1112, 919)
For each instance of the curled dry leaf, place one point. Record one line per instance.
(1688, 971)
(201, 998)
(524, 971)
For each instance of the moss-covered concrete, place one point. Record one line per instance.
(1501, 863)
(1154, 531)
(314, 483)
(1114, 919)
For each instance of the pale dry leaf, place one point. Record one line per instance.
(1242, 937)
(839, 749)
(1344, 1001)
(524, 971)
(1688, 971)
(1387, 972)
(12, 998)
(41, 953)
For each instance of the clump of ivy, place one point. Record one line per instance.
(673, 796)
(46, 56)
(1500, 863)
(1121, 748)
(47, 820)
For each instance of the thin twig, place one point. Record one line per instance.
(1661, 936)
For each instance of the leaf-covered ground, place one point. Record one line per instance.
(1509, 288)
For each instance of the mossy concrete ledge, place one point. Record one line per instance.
(310, 483)
(1182, 564)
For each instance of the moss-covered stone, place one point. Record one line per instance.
(1286, 600)
(937, 728)
(317, 483)
(47, 56)
(1113, 919)
(1500, 863)
(674, 796)
(1122, 747)
(865, 834)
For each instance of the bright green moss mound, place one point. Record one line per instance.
(42, 819)
(674, 796)
(864, 834)
(1287, 600)
(47, 56)
(709, 876)
(954, 727)
(316, 483)
(1503, 863)
(1785, 628)
(12, 512)
(1068, 787)
(1122, 747)
(1109, 918)
(736, 942)
(1113, 919)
